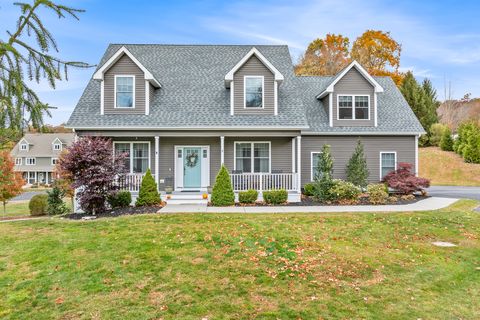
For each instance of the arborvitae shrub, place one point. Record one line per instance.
(222, 193)
(148, 194)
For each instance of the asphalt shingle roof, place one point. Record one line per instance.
(193, 94)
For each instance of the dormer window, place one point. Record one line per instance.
(24, 147)
(57, 147)
(254, 91)
(352, 107)
(124, 91)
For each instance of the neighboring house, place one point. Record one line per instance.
(35, 155)
(183, 110)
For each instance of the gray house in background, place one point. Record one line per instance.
(183, 110)
(35, 155)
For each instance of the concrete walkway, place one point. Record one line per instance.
(433, 203)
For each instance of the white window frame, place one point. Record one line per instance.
(55, 147)
(17, 162)
(115, 91)
(311, 163)
(353, 106)
(245, 92)
(23, 146)
(131, 154)
(252, 170)
(30, 164)
(386, 152)
(54, 160)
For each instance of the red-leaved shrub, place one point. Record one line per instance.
(404, 181)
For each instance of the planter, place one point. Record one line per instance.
(209, 190)
(168, 190)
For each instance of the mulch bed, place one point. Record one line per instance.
(116, 212)
(309, 201)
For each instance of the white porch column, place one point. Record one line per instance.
(299, 163)
(222, 150)
(416, 156)
(157, 160)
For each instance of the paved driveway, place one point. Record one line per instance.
(28, 195)
(455, 192)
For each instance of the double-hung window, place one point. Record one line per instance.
(314, 162)
(30, 161)
(124, 91)
(253, 91)
(18, 161)
(352, 107)
(388, 163)
(252, 157)
(24, 147)
(57, 146)
(54, 161)
(136, 155)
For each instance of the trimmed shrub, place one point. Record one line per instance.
(446, 141)
(404, 181)
(322, 191)
(249, 196)
(343, 190)
(38, 205)
(222, 193)
(436, 132)
(407, 197)
(377, 193)
(275, 196)
(148, 194)
(121, 199)
(55, 204)
(309, 189)
(392, 199)
(357, 172)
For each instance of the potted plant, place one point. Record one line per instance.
(209, 189)
(168, 190)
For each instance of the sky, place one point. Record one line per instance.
(440, 39)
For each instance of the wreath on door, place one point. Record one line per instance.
(192, 159)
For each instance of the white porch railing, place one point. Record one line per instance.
(264, 181)
(131, 182)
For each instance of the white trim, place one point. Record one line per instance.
(245, 92)
(375, 111)
(366, 75)
(252, 165)
(23, 142)
(131, 153)
(416, 156)
(147, 97)
(205, 170)
(330, 109)
(98, 75)
(115, 90)
(53, 159)
(222, 150)
(57, 142)
(157, 160)
(293, 154)
(30, 164)
(229, 76)
(386, 152)
(102, 97)
(311, 163)
(360, 133)
(18, 163)
(275, 98)
(299, 163)
(353, 106)
(232, 95)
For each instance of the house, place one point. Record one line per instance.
(183, 110)
(35, 155)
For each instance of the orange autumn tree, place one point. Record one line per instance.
(63, 180)
(379, 53)
(11, 182)
(324, 56)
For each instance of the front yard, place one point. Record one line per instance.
(272, 266)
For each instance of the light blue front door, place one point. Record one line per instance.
(192, 167)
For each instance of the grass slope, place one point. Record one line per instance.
(447, 168)
(20, 208)
(226, 266)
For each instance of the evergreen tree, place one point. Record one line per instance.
(324, 177)
(148, 194)
(222, 193)
(446, 142)
(357, 172)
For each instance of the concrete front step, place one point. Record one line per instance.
(186, 201)
(185, 198)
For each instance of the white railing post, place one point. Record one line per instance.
(261, 182)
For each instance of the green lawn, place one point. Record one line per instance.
(20, 208)
(231, 266)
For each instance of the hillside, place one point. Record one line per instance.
(447, 168)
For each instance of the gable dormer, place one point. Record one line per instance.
(57, 145)
(253, 84)
(24, 145)
(126, 85)
(351, 98)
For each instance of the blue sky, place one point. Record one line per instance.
(440, 39)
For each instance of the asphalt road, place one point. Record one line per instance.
(27, 195)
(455, 192)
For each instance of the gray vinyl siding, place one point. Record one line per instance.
(124, 66)
(253, 67)
(353, 83)
(342, 148)
(41, 164)
(281, 157)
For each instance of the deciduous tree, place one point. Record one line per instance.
(11, 182)
(324, 56)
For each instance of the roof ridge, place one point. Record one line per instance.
(197, 45)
